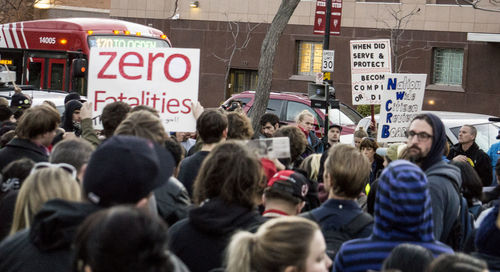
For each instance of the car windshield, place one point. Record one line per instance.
(486, 134)
(344, 116)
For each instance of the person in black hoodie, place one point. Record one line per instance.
(426, 143)
(226, 190)
(123, 170)
(71, 121)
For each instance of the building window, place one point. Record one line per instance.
(310, 55)
(242, 80)
(379, 1)
(448, 66)
(451, 2)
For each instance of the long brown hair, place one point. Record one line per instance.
(231, 173)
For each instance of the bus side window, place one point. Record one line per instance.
(35, 74)
(57, 76)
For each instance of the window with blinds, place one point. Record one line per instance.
(448, 66)
(310, 55)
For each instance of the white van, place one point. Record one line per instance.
(486, 131)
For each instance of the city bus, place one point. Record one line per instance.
(53, 54)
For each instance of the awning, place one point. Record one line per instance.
(483, 37)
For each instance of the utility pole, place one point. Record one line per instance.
(326, 46)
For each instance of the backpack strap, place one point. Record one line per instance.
(358, 223)
(309, 216)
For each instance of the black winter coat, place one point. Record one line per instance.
(46, 246)
(21, 148)
(481, 160)
(172, 201)
(199, 240)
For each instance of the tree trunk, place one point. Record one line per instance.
(267, 53)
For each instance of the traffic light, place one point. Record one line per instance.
(79, 67)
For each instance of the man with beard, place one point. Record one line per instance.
(426, 142)
(269, 123)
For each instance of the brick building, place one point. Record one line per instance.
(458, 47)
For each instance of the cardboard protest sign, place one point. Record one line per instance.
(370, 62)
(271, 148)
(165, 79)
(401, 102)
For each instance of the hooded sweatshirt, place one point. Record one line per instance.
(67, 121)
(46, 246)
(199, 240)
(442, 178)
(403, 214)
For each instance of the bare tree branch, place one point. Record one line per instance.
(17, 10)
(176, 7)
(476, 4)
(397, 27)
(235, 30)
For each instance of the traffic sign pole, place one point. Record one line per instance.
(326, 46)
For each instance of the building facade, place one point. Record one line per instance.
(456, 45)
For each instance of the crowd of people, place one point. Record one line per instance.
(134, 197)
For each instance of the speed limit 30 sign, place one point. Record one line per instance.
(327, 64)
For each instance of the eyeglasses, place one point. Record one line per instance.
(67, 167)
(421, 136)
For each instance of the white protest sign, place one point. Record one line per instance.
(165, 79)
(370, 62)
(401, 102)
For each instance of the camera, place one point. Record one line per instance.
(232, 106)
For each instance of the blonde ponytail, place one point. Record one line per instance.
(240, 251)
(279, 243)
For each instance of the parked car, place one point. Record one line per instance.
(287, 105)
(486, 130)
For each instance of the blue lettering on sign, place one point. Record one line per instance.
(389, 116)
(387, 108)
(385, 131)
(400, 95)
(391, 84)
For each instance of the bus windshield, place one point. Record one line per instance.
(125, 42)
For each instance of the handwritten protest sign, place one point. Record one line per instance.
(370, 62)
(401, 102)
(165, 79)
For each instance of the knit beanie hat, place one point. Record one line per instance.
(403, 205)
